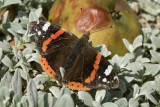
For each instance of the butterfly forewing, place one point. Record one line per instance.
(54, 45)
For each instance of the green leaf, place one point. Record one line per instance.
(1, 53)
(157, 83)
(33, 16)
(137, 42)
(156, 41)
(86, 98)
(4, 46)
(5, 17)
(15, 51)
(18, 38)
(17, 82)
(6, 80)
(96, 104)
(116, 94)
(4, 96)
(16, 100)
(45, 99)
(125, 60)
(24, 101)
(133, 102)
(128, 45)
(33, 57)
(155, 55)
(65, 101)
(134, 66)
(10, 2)
(129, 76)
(142, 60)
(62, 71)
(109, 104)
(31, 46)
(7, 62)
(4, 92)
(49, 100)
(151, 98)
(64, 91)
(24, 71)
(55, 91)
(32, 94)
(100, 94)
(17, 28)
(122, 86)
(147, 87)
(39, 80)
(122, 61)
(103, 50)
(121, 102)
(135, 91)
(27, 51)
(152, 69)
(38, 12)
(145, 104)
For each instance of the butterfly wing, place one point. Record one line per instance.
(102, 75)
(54, 45)
(89, 70)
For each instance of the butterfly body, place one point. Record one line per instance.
(85, 67)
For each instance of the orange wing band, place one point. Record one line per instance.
(95, 69)
(52, 37)
(46, 67)
(77, 86)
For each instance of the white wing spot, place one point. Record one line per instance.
(45, 27)
(99, 77)
(104, 80)
(115, 77)
(108, 70)
(108, 82)
(39, 32)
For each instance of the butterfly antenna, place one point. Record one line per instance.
(103, 29)
(82, 21)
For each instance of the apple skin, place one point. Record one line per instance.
(97, 16)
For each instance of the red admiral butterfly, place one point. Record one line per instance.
(85, 67)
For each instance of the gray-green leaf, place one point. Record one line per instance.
(122, 102)
(17, 82)
(4, 46)
(155, 56)
(100, 94)
(86, 98)
(133, 102)
(65, 101)
(7, 62)
(109, 104)
(32, 94)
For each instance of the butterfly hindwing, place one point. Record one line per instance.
(90, 69)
